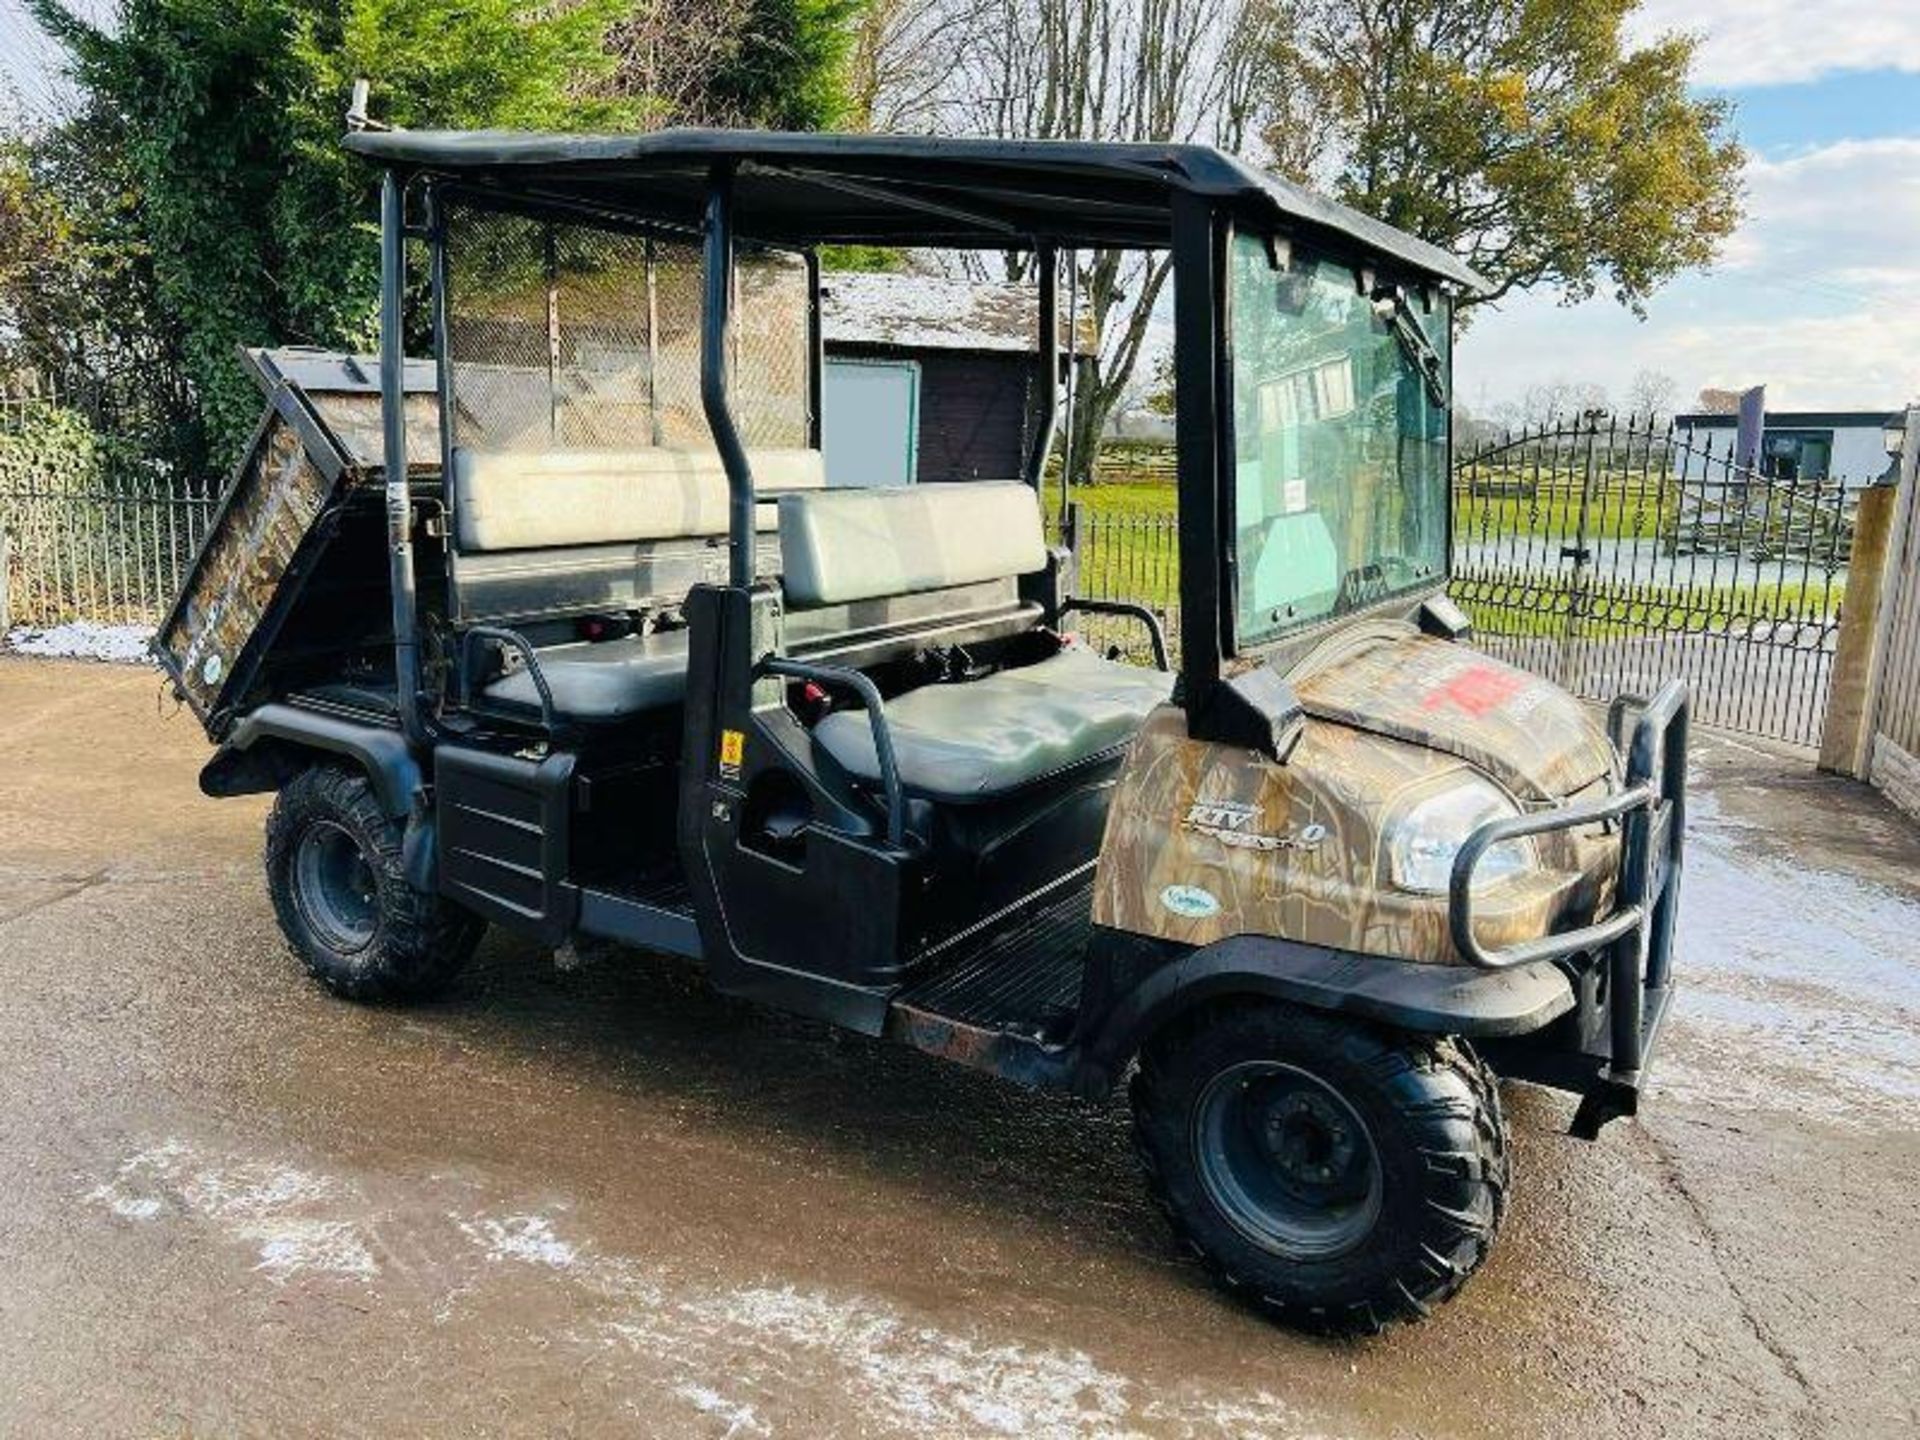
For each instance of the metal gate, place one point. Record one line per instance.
(1611, 555)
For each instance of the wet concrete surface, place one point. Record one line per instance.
(604, 1199)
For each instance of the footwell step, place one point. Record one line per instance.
(1020, 975)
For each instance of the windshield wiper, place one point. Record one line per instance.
(1417, 348)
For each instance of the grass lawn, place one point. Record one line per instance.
(1619, 610)
(1612, 514)
(1150, 497)
(1129, 551)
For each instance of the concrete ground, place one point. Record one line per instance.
(603, 1198)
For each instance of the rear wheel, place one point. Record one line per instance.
(1339, 1176)
(340, 891)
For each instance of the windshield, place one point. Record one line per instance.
(1340, 440)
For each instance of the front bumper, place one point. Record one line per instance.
(1620, 967)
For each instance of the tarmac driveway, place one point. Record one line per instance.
(602, 1198)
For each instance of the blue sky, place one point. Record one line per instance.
(1851, 105)
(1816, 296)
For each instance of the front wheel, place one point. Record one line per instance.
(342, 897)
(1339, 1176)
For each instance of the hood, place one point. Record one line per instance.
(1526, 732)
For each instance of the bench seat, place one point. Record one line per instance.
(602, 681)
(978, 740)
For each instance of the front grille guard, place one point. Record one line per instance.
(1637, 938)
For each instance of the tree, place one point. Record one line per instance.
(1651, 394)
(903, 59)
(1144, 70)
(774, 63)
(1159, 399)
(787, 68)
(1562, 401)
(1714, 401)
(1526, 136)
(218, 123)
(220, 120)
(77, 301)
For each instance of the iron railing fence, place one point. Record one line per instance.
(1611, 555)
(1126, 556)
(112, 550)
(1607, 556)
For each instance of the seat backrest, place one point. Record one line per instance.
(546, 499)
(842, 546)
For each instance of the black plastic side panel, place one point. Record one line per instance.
(637, 923)
(815, 926)
(271, 743)
(1136, 983)
(503, 826)
(985, 857)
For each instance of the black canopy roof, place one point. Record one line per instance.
(896, 189)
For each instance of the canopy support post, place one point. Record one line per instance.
(715, 340)
(393, 433)
(1047, 260)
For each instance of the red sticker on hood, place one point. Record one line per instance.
(1477, 689)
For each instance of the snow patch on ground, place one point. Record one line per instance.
(82, 640)
(740, 1419)
(927, 1378)
(733, 1354)
(727, 1349)
(526, 1238)
(262, 1204)
(288, 1247)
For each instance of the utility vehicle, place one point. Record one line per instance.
(566, 629)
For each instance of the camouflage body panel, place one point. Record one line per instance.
(354, 420)
(277, 493)
(275, 497)
(1207, 841)
(1526, 732)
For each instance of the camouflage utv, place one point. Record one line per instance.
(571, 629)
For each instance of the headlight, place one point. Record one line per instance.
(1423, 839)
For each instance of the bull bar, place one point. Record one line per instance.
(1635, 941)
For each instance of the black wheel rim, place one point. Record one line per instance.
(1287, 1160)
(335, 888)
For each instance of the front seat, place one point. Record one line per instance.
(981, 740)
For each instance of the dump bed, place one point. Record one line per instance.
(313, 469)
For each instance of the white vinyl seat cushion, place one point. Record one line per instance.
(842, 546)
(980, 739)
(543, 499)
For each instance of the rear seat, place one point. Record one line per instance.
(556, 500)
(975, 740)
(603, 681)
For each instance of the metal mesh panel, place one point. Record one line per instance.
(566, 336)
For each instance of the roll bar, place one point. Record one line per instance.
(393, 437)
(716, 319)
(1047, 261)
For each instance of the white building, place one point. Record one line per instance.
(1847, 445)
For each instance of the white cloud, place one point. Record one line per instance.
(1775, 42)
(1844, 213)
(1815, 298)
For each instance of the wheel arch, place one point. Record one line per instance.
(1402, 994)
(274, 743)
